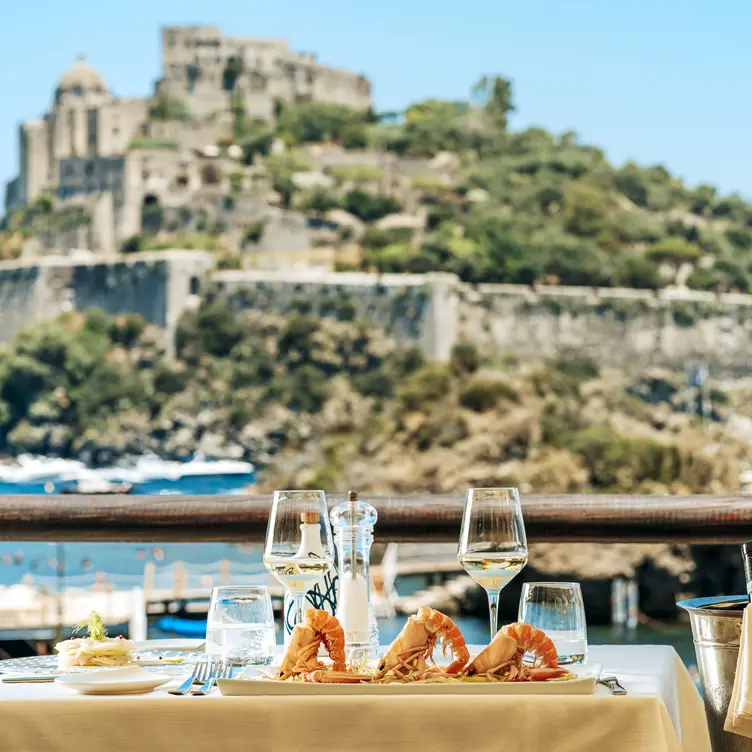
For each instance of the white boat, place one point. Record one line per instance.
(30, 469)
(150, 468)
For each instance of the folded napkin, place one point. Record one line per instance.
(739, 717)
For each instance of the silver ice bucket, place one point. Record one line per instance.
(716, 627)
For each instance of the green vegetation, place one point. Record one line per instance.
(151, 143)
(531, 206)
(163, 107)
(318, 394)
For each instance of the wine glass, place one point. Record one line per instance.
(298, 563)
(493, 546)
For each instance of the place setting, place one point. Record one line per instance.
(544, 652)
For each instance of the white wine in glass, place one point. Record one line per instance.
(493, 545)
(290, 557)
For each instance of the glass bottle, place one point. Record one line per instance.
(323, 595)
(352, 524)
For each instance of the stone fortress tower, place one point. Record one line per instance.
(109, 156)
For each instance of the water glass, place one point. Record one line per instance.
(557, 609)
(240, 626)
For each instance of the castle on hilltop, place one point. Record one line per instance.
(106, 158)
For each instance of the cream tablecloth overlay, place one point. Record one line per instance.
(662, 713)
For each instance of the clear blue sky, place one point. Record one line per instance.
(657, 81)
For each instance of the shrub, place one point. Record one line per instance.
(674, 250)
(376, 238)
(427, 385)
(133, 244)
(230, 261)
(369, 207)
(619, 462)
(465, 358)
(577, 367)
(254, 232)
(151, 143)
(168, 108)
(127, 330)
(169, 378)
(633, 270)
(483, 394)
(317, 200)
(445, 428)
(357, 173)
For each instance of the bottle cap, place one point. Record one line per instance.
(309, 518)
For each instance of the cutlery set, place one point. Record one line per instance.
(204, 678)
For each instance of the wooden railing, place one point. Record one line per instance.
(557, 517)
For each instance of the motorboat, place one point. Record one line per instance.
(30, 469)
(151, 468)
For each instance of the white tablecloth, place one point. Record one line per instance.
(645, 671)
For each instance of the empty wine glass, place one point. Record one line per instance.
(493, 546)
(298, 563)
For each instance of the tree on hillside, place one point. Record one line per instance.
(495, 93)
(317, 122)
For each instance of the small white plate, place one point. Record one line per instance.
(130, 680)
(183, 645)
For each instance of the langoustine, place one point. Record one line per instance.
(407, 656)
(301, 657)
(501, 659)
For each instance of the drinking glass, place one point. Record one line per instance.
(557, 609)
(298, 567)
(493, 546)
(240, 626)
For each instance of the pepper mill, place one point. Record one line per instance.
(353, 522)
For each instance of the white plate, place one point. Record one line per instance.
(185, 645)
(257, 686)
(129, 680)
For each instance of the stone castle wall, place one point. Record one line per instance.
(157, 286)
(623, 328)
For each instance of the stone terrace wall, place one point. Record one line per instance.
(624, 328)
(619, 327)
(416, 308)
(157, 286)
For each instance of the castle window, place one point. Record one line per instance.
(78, 91)
(89, 169)
(195, 286)
(181, 181)
(193, 74)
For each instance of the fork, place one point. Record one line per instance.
(215, 670)
(200, 674)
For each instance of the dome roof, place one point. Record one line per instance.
(82, 76)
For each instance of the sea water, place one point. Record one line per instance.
(241, 644)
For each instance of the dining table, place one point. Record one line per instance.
(662, 711)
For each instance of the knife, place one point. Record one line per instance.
(613, 684)
(29, 679)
